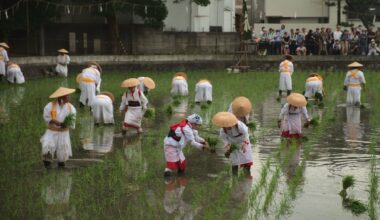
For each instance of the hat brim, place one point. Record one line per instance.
(224, 120)
(297, 100)
(128, 83)
(61, 91)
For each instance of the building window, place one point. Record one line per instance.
(72, 42)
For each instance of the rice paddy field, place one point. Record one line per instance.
(112, 176)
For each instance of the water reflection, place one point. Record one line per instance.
(353, 129)
(180, 110)
(291, 158)
(241, 189)
(173, 202)
(10, 98)
(136, 163)
(56, 196)
(100, 140)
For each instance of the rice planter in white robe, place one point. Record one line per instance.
(3, 61)
(291, 123)
(135, 105)
(203, 91)
(56, 140)
(238, 135)
(14, 74)
(354, 80)
(89, 85)
(286, 70)
(62, 62)
(179, 87)
(102, 109)
(174, 148)
(312, 86)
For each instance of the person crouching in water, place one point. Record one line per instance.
(179, 135)
(14, 74)
(63, 60)
(56, 139)
(146, 84)
(353, 83)
(102, 108)
(314, 87)
(235, 136)
(134, 104)
(203, 91)
(286, 70)
(179, 85)
(290, 116)
(89, 83)
(241, 107)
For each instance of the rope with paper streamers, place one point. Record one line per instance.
(75, 8)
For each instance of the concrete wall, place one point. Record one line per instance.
(147, 41)
(300, 8)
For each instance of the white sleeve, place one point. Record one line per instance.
(362, 78)
(346, 80)
(67, 59)
(291, 68)
(284, 110)
(123, 102)
(189, 135)
(197, 137)
(73, 111)
(144, 100)
(47, 113)
(223, 136)
(5, 54)
(98, 84)
(304, 112)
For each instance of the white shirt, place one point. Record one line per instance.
(186, 134)
(62, 112)
(136, 96)
(351, 78)
(337, 35)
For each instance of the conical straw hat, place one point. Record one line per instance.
(90, 63)
(355, 64)
(181, 74)
(297, 100)
(179, 78)
(63, 50)
(224, 119)
(78, 77)
(3, 44)
(148, 82)
(204, 81)
(109, 94)
(61, 91)
(131, 82)
(241, 106)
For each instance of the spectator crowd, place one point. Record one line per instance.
(321, 41)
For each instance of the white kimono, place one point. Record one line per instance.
(286, 70)
(89, 84)
(4, 59)
(238, 135)
(102, 109)
(136, 104)
(353, 81)
(57, 140)
(291, 119)
(179, 87)
(203, 92)
(14, 74)
(62, 62)
(313, 85)
(173, 149)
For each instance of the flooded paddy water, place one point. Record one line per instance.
(121, 177)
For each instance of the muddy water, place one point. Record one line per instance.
(115, 176)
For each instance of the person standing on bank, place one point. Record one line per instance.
(241, 107)
(89, 83)
(179, 135)
(179, 85)
(146, 84)
(353, 83)
(203, 91)
(4, 59)
(290, 116)
(63, 60)
(286, 70)
(235, 136)
(59, 116)
(134, 104)
(102, 108)
(14, 74)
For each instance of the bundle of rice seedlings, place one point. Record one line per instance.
(176, 102)
(314, 121)
(212, 143)
(252, 125)
(204, 106)
(169, 110)
(69, 120)
(149, 113)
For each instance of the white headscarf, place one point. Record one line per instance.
(195, 119)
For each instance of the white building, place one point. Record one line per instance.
(218, 16)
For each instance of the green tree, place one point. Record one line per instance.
(198, 2)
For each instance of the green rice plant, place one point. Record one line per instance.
(176, 102)
(212, 143)
(315, 121)
(273, 184)
(204, 106)
(169, 110)
(69, 120)
(149, 113)
(252, 126)
(355, 206)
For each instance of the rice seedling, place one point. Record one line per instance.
(251, 125)
(149, 113)
(176, 102)
(212, 143)
(169, 110)
(204, 106)
(69, 120)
